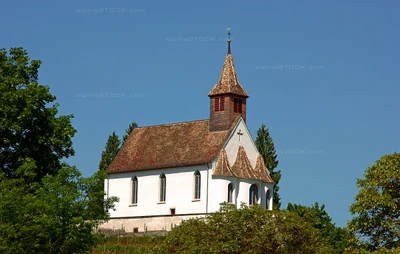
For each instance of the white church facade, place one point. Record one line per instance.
(167, 173)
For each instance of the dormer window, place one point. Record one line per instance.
(237, 105)
(219, 104)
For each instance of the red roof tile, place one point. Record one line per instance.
(170, 145)
(228, 82)
(222, 168)
(261, 170)
(242, 166)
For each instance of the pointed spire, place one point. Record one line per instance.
(228, 82)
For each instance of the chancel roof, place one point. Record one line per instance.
(242, 167)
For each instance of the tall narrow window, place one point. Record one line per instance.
(222, 104)
(197, 185)
(134, 192)
(163, 187)
(268, 199)
(253, 194)
(216, 104)
(219, 104)
(230, 193)
(237, 105)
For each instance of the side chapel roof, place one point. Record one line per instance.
(242, 167)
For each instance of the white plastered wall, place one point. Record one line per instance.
(235, 140)
(179, 192)
(241, 187)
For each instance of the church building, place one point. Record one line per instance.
(168, 173)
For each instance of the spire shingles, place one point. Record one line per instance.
(228, 82)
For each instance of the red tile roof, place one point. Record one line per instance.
(222, 168)
(242, 167)
(228, 82)
(261, 170)
(170, 145)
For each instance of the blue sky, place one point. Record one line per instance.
(322, 76)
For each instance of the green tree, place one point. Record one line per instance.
(376, 209)
(128, 131)
(266, 147)
(30, 128)
(110, 151)
(318, 217)
(107, 156)
(56, 215)
(245, 230)
(45, 205)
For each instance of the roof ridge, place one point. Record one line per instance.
(176, 123)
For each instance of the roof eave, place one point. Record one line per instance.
(158, 168)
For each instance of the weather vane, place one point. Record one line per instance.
(229, 40)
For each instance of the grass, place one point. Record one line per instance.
(129, 244)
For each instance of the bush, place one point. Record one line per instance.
(246, 230)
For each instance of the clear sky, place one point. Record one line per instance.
(323, 76)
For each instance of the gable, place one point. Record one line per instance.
(246, 141)
(240, 157)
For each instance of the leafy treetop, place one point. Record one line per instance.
(30, 129)
(376, 208)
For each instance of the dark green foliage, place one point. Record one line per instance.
(376, 208)
(316, 215)
(110, 151)
(340, 239)
(29, 126)
(45, 205)
(266, 147)
(246, 230)
(56, 215)
(128, 131)
(113, 146)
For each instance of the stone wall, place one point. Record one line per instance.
(146, 224)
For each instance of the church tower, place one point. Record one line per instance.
(227, 98)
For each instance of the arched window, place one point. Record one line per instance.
(267, 199)
(163, 187)
(197, 185)
(253, 194)
(134, 190)
(230, 193)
